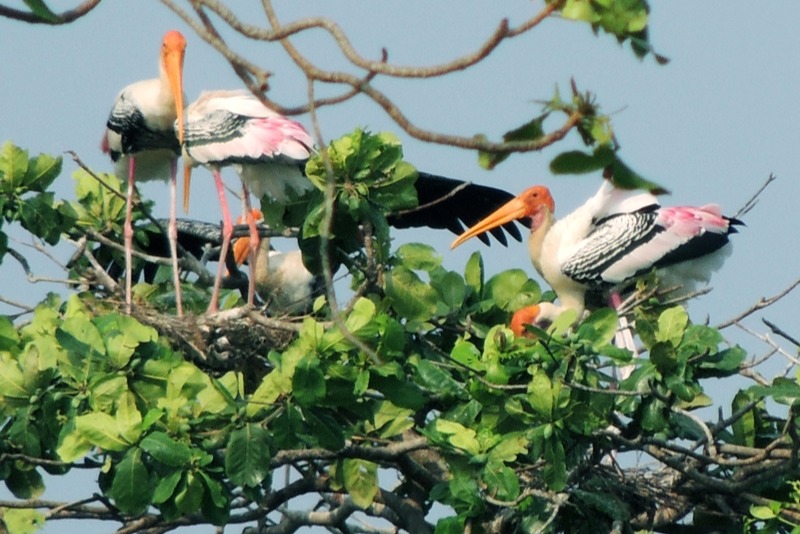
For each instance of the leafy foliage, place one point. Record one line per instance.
(416, 379)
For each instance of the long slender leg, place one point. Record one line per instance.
(227, 232)
(623, 338)
(128, 233)
(173, 235)
(254, 240)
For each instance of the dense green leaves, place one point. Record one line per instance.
(421, 351)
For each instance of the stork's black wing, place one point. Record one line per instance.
(454, 205)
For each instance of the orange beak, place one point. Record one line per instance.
(241, 247)
(241, 250)
(514, 209)
(187, 179)
(172, 54)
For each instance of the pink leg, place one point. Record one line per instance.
(172, 232)
(128, 233)
(624, 337)
(227, 232)
(254, 240)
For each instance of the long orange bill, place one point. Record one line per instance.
(241, 247)
(187, 179)
(172, 58)
(513, 209)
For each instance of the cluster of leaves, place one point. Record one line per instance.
(625, 19)
(517, 424)
(24, 197)
(595, 131)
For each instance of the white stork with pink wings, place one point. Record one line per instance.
(614, 237)
(267, 149)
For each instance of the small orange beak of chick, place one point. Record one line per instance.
(241, 247)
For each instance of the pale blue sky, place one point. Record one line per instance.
(710, 125)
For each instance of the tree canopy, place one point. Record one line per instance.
(401, 401)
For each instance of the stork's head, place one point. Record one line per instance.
(173, 50)
(540, 315)
(535, 203)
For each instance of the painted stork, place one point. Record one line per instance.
(267, 150)
(614, 237)
(281, 279)
(541, 315)
(141, 140)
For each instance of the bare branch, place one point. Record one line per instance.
(761, 304)
(64, 17)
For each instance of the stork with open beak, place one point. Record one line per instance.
(141, 140)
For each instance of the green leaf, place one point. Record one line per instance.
(13, 166)
(189, 496)
(432, 377)
(392, 420)
(783, 390)
(664, 357)
(541, 394)
(166, 450)
(459, 436)
(9, 338)
(40, 9)
(42, 171)
(764, 513)
(128, 418)
(723, 364)
(122, 334)
(166, 487)
(361, 315)
(599, 327)
(100, 429)
(578, 162)
(501, 481)
(419, 257)
(625, 178)
(22, 521)
(215, 505)
(361, 480)
(411, 297)
(247, 456)
(473, 272)
(671, 325)
(25, 483)
(511, 290)
(555, 469)
(131, 489)
(72, 445)
(308, 383)
(13, 382)
(451, 288)
(530, 131)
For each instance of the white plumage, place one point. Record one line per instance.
(614, 237)
(142, 142)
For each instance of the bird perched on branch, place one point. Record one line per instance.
(267, 150)
(281, 279)
(614, 237)
(141, 140)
